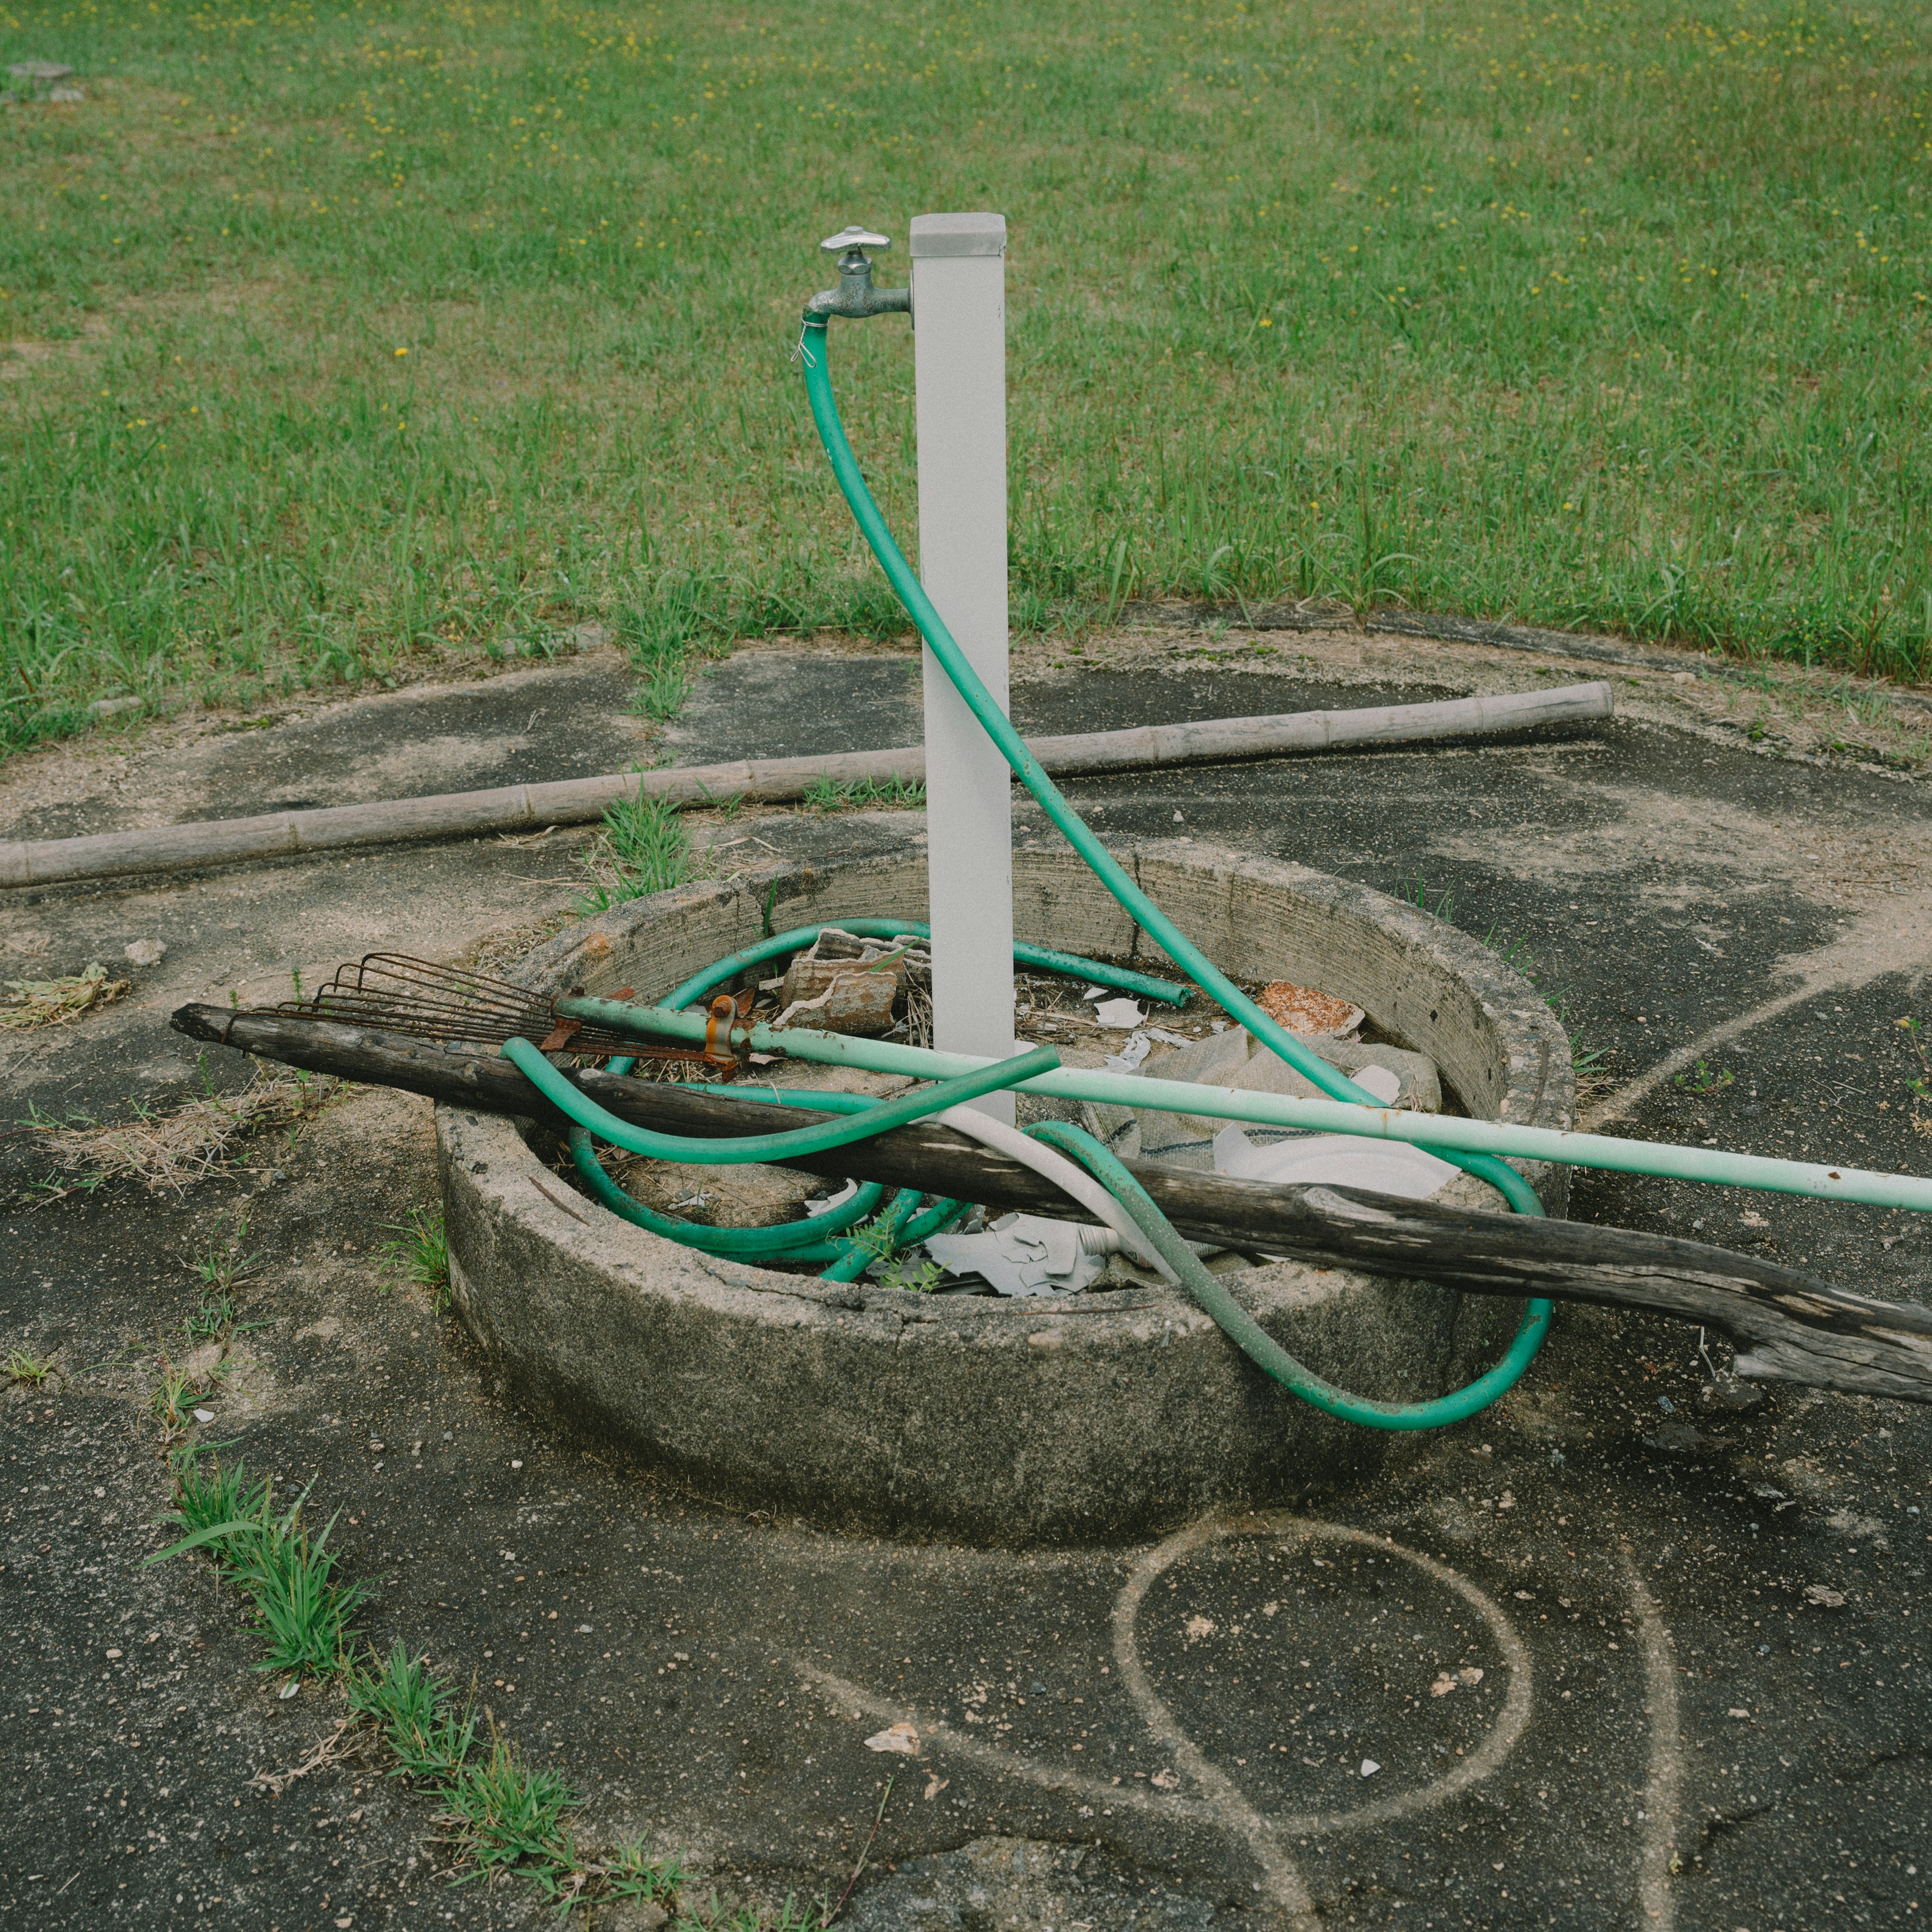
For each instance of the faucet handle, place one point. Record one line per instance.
(849, 238)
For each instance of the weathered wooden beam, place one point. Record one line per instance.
(1786, 1325)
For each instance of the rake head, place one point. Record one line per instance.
(395, 994)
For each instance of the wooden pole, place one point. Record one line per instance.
(1786, 1325)
(277, 834)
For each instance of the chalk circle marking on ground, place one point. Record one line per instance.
(1508, 1727)
(1510, 1724)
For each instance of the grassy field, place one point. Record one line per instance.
(335, 340)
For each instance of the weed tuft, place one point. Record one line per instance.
(417, 1712)
(25, 1367)
(288, 1577)
(220, 1262)
(1417, 894)
(644, 848)
(418, 1251)
(1704, 1079)
(506, 1815)
(891, 794)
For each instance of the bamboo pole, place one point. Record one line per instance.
(767, 781)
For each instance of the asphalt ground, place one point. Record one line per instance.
(1669, 1730)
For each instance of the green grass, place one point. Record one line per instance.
(419, 1250)
(28, 1369)
(895, 793)
(502, 1814)
(417, 1712)
(644, 848)
(360, 337)
(302, 1613)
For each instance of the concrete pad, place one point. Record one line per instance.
(1626, 1577)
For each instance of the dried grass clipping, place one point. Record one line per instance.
(39, 1003)
(172, 1149)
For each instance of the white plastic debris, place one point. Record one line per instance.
(1129, 1058)
(204, 1415)
(824, 1203)
(1167, 1039)
(1027, 1254)
(1369, 1767)
(1122, 1013)
(1334, 1160)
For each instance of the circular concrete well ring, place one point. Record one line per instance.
(1100, 1417)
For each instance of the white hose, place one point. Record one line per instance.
(1068, 1177)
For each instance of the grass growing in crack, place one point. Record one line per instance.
(419, 1250)
(507, 1815)
(644, 848)
(220, 1261)
(504, 1816)
(895, 793)
(213, 1319)
(1417, 894)
(1513, 952)
(417, 1713)
(1703, 1078)
(288, 1576)
(1920, 1089)
(25, 1367)
(172, 1401)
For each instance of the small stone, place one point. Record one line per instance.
(1369, 1767)
(147, 953)
(1729, 1396)
(112, 1655)
(46, 72)
(63, 96)
(1165, 1780)
(900, 1737)
(1825, 1597)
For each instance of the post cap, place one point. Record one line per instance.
(853, 238)
(977, 234)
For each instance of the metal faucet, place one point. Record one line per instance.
(855, 295)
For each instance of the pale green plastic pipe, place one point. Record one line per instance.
(1434, 1131)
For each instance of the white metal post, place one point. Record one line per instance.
(959, 368)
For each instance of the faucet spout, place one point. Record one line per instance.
(855, 297)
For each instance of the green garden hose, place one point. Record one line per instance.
(1212, 1297)
(806, 1240)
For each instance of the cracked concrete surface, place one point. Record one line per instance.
(1670, 1730)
